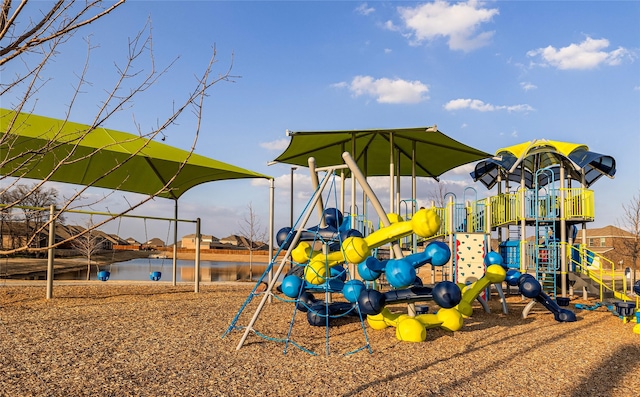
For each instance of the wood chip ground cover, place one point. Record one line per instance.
(101, 339)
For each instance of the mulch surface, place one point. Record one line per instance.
(154, 339)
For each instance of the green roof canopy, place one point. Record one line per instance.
(435, 153)
(44, 148)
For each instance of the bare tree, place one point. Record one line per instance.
(253, 233)
(630, 247)
(34, 204)
(88, 244)
(436, 195)
(29, 44)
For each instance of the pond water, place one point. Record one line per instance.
(139, 270)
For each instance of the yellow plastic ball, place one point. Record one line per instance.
(355, 249)
(316, 272)
(496, 273)
(301, 253)
(395, 321)
(411, 330)
(425, 223)
(451, 319)
(377, 321)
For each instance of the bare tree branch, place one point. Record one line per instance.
(56, 24)
(630, 245)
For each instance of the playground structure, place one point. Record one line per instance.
(319, 265)
(537, 224)
(534, 265)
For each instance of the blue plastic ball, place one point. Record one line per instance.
(350, 233)
(400, 273)
(352, 290)
(438, 252)
(371, 302)
(281, 238)
(366, 273)
(493, 258)
(305, 301)
(338, 272)
(529, 286)
(317, 315)
(332, 217)
(447, 294)
(291, 286)
(513, 277)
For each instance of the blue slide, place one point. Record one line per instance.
(531, 288)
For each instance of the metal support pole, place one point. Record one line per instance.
(174, 267)
(563, 236)
(196, 273)
(357, 174)
(315, 182)
(291, 208)
(51, 251)
(271, 225)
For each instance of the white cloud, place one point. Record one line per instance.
(364, 9)
(279, 144)
(387, 50)
(464, 169)
(586, 55)
(476, 104)
(528, 86)
(386, 90)
(459, 22)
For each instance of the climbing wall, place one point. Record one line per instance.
(470, 250)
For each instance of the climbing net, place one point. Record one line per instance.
(313, 273)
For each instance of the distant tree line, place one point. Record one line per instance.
(24, 211)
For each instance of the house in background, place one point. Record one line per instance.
(242, 242)
(206, 241)
(610, 242)
(131, 241)
(154, 243)
(105, 241)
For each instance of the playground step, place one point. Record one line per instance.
(581, 281)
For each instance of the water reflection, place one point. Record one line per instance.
(139, 270)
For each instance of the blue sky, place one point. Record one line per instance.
(489, 74)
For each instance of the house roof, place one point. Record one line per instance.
(609, 231)
(203, 237)
(155, 241)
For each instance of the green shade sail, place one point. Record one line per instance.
(44, 148)
(435, 152)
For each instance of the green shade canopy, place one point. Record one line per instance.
(435, 153)
(33, 146)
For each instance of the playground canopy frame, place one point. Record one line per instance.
(44, 148)
(420, 151)
(579, 163)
